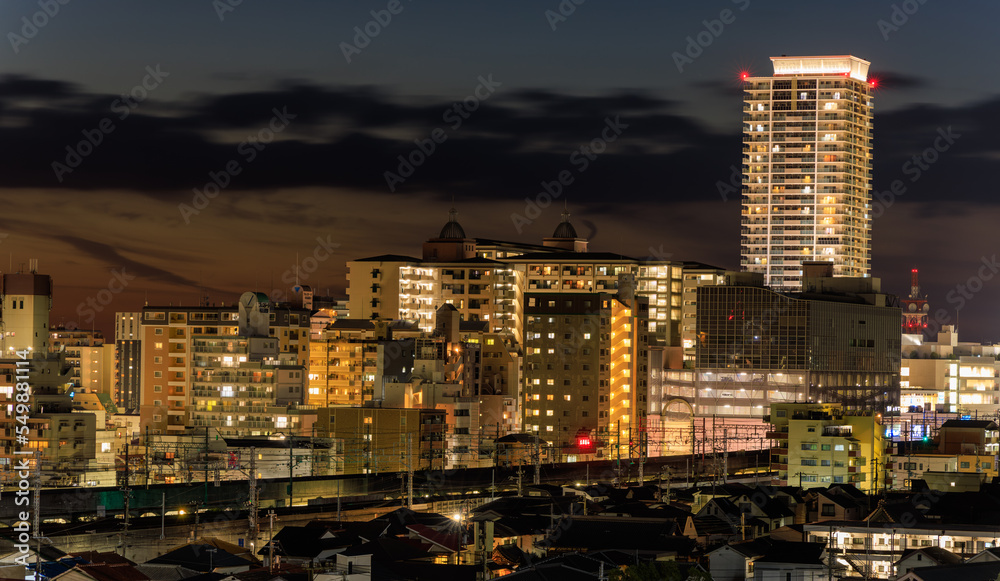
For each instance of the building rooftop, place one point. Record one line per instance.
(821, 65)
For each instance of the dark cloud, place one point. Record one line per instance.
(725, 89)
(889, 80)
(20, 86)
(113, 258)
(348, 137)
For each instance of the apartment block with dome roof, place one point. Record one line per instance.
(486, 280)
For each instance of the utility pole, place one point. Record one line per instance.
(618, 447)
(291, 499)
(197, 516)
(36, 520)
(642, 455)
(254, 501)
(147, 457)
(538, 460)
(409, 470)
(163, 515)
(125, 495)
(206, 465)
(270, 543)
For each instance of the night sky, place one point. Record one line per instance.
(261, 95)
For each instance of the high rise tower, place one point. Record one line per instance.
(807, 159)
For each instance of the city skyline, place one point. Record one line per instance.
(655, 189)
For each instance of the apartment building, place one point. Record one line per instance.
(385, 439)
(168, 335)
(807, 159)
(128, 361)
(823, 443)
(872, 549)
(75, 444)
(585, 367)
(486, 280)
(83, 352)
(951, 376)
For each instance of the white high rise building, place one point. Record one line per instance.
(807, 164)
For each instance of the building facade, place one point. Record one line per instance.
(821, 443)
(168, 336)
(586, 368)
(807, 159)
(24, 312)
(755, 346)
(128, 361)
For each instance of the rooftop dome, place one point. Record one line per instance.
(565, 229)
(452, 230)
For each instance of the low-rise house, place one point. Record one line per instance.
(766, 558)
(925, 557)
(963, 572)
